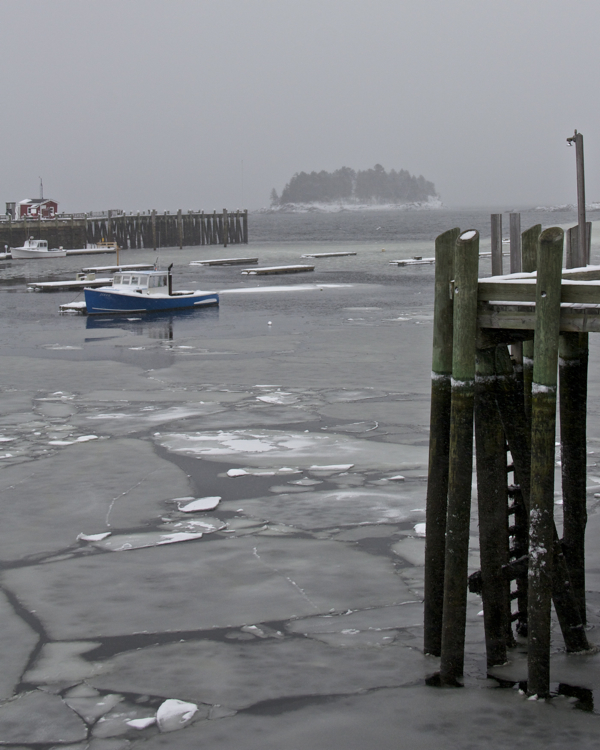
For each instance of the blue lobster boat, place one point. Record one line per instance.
(144, 291)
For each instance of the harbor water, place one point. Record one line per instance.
(289, 611)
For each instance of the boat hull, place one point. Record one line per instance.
(104, 300)
(24, 252)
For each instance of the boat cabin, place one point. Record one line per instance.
(149, 282)
(32, 244)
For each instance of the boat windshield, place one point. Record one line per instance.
(117, 279)
(156, 281)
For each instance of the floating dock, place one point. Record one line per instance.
(55, 286)
(73, 307)
(276, 269)
(416, 261)
(326, 255)
(114, 269)
(224, 262)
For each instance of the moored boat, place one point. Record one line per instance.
(144, 291)
(37, 249)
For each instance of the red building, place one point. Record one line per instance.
(37, 207)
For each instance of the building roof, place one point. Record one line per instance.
(31, 201)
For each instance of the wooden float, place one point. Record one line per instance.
(326, 255)
(277, 269)
(224, 262)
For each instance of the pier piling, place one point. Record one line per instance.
(466, 259)
(439, 442)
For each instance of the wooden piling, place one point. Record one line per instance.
(515, 243)
(496, 221)
(543, 427)
(573, 369)
(530, 240)
(492, 505)
(466, 260)
(439, 442)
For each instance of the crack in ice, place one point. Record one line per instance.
(286, 578)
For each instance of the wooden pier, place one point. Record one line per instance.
(149, 229)
(496, 347)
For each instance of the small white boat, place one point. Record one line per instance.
(37, 249)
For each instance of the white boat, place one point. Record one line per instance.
(37, 249)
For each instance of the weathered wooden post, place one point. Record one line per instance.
(492, 504)
(573, 371)
(530, 240)
(515, 242)
(439, 442)
(466, 259)
(225, 228)
(180, 228)
(577, 139)
(245, 225)
(154, 229)
(496, 221)
(543, 427)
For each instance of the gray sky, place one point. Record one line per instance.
(140, 104)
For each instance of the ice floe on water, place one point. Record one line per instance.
(334, 508)
(124, 542)
(200, 504)
(93, 537)
(274, 448)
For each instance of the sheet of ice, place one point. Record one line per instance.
(289, 288)
(17, 641)
(117, 723)
(204, 524)
(200, 504)
(278, 397)
(37, 717)
(331, 467)
(125, 542)
(63, 662)
(91, 708)
(273, 448)
(239, 674)
(174, 714)
(118, 483)
(422, 717)
(266, 579)
(331, 508)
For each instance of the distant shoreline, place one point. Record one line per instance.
(432, 204)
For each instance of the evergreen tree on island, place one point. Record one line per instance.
(373, 186)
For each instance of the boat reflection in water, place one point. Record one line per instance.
(159, 325)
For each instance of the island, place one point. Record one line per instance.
(347, 188)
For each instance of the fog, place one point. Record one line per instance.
(204, 104)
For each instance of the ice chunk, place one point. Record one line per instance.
(93, 537)
(397, 478)
(420, 529)
(142, 723)
(331, 467)
(123, 542)
(202, 503)
(236, 472)
(174, 714)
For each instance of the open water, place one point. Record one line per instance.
(289, 613)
